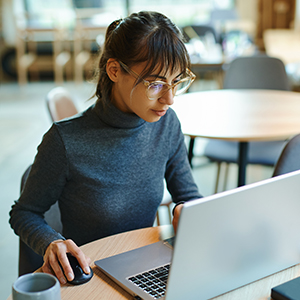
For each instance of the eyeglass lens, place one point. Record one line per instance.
(157, 90)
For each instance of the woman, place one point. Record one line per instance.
(106, 166)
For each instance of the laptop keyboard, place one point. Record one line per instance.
(153, 281)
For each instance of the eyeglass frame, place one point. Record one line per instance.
(191, 77)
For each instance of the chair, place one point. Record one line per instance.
(256, 72)
(40, 48)
(60, 104)
(88, 40)
(253, 72)
(29, 261)
(61, 55)
(289, 159)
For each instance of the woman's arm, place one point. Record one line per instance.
(179, 178)
(43, 187)
(45, 183)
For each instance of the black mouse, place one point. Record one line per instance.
(79, 276)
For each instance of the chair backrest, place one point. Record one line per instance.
(60, 104)
(289, 159)
(29, 261)
(256, 72)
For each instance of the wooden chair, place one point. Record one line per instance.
(29, 60)
(88, 39)
(60, 104)
(61, 55)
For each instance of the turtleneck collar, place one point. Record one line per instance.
(114, 117)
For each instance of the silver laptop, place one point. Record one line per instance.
(223, 241)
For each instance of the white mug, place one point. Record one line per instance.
(36, 286)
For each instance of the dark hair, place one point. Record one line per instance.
(143, 36)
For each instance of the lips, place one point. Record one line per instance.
(160, 112)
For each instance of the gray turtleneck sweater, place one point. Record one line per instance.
(106, 170)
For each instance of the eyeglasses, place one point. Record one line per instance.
(156, 89)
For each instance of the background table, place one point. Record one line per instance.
(240, 115)
(101, 287)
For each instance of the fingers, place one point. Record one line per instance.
(53, 255)
(56, 261)
(61, 267)
(54, 269)
(83, 260)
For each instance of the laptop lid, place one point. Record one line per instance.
(233, 238)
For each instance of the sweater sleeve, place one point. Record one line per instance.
(179, 178)
(43, 188)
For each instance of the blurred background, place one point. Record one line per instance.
(43, 40)
(45, 44)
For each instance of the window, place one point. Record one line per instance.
(181, 12)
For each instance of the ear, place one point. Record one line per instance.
(113, 69)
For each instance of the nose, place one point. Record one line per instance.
(167, 98)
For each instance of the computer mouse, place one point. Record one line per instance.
(79, 276)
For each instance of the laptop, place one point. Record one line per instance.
(223, 241)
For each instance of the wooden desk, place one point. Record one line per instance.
(101, 287)
(240, 115)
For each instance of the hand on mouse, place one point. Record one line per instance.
(56, 257)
